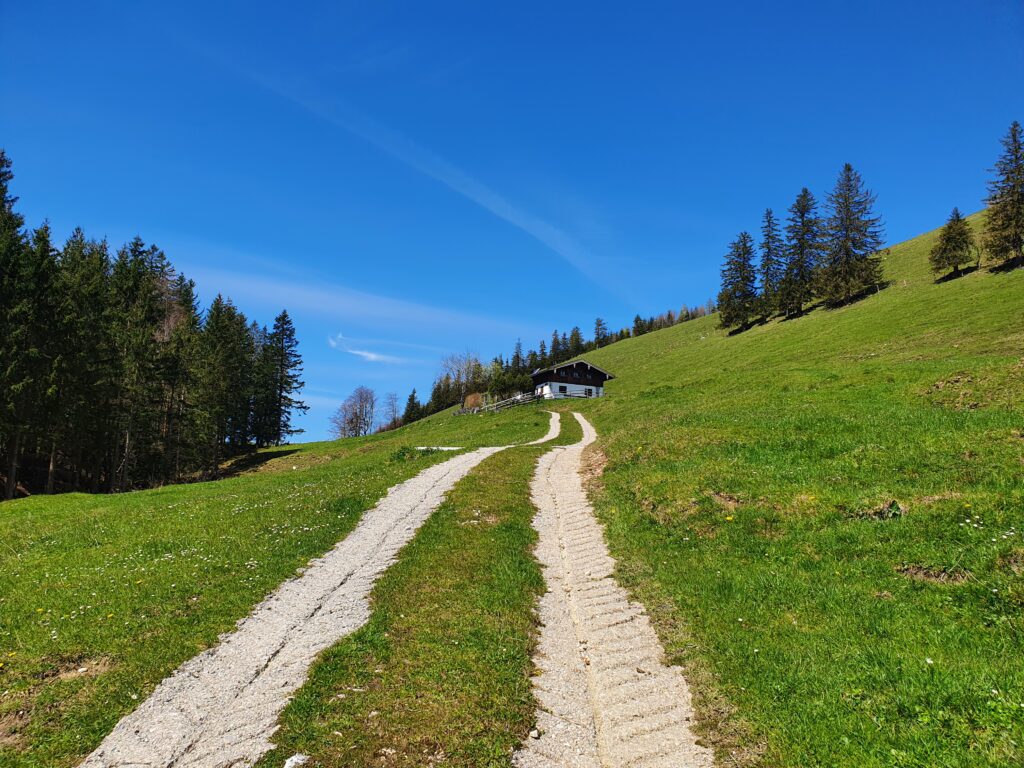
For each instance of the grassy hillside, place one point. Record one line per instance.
(103, 596)
(748, 496)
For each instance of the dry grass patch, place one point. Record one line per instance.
(934, 575)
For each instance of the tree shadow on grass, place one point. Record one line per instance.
(949, 276)
(1007, 266)
(859, 296)
(252, 461)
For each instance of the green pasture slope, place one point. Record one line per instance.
(103, 596)
(748, 495)
(748, 498)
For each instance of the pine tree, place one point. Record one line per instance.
(639, 326)
(82, 373)
(1004, 227)
(542, 355)
(413, 409)
(773, 263)
(518, 363)
(286, 377)
(802, 252)
(600, 333)
(575, 342)
(28, 375)
(12, 246)
(853, 237)
(181, 354)
(555, 355)
(139, 280)
(955, 246)
(738, 299)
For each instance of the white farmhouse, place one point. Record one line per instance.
(573, 379)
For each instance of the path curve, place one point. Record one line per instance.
(220, 708)
(606, 696)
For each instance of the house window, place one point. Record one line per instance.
(590, 392)
(562, 389)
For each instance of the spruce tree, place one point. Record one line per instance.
(575, 342)
(28, 375)
(600, 333)
(853, 238)
(82, 373)
(955, 246)
(286, 376)
(639, 326)
(738, 299)
(12, 246)
(555, 354)
(518, 362)
(1004, 227)
(802, 253)
(772, 268)
(413, 409)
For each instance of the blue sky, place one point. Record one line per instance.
(410, 179)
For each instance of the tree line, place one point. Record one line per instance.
(835, 256)
(466, 374)
(111, 378)
(1003, 234)
(832, 255)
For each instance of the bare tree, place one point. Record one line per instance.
(354, 417)
(391, 412)
(465, 371)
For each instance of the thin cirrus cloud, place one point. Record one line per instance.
(341, 303)
(423, 160)
(339, 342)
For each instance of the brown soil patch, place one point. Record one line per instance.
(592, 467)
(1013, 562)
(933, 575)
(12, 725)
(74, 669)
(887, 511)
(726, 500)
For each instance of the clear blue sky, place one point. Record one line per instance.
(414, 178)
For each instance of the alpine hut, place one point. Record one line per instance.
(577, 378)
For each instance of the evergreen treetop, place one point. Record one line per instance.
(955, 246)
(853, 237)
(1004, 227)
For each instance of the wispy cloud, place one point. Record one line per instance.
(339, 342)
(344, 305)
(412, 154)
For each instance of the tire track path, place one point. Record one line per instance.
(220, 708)
(606, 697)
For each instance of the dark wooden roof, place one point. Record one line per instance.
(591, 374)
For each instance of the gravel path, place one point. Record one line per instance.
(606, 696)
(220, 708)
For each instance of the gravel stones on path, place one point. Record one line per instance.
(606, 696)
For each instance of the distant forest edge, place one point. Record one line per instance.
(465, 375)
(110, 376)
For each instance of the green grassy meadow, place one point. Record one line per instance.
(103, 596)
(824, 517)
(748, 499)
